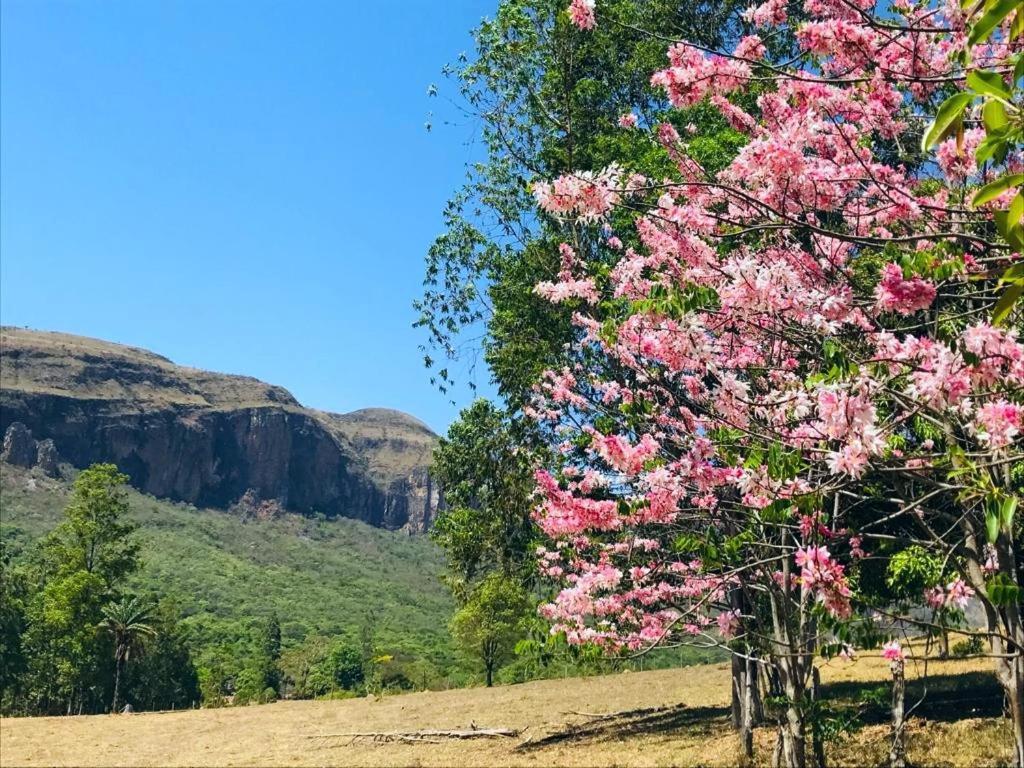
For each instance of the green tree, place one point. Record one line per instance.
(164, 677)
(95, 535)
(270, 653)
(80, 567)
(547, 98)
(303, 667)
(345, 665)
(487, 480)
(260, 679)
(13, 594)
(491, 622)
(126, 621)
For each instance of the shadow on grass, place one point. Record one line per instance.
(943, 698)
(637, 722)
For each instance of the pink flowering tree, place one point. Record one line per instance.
(790, 356)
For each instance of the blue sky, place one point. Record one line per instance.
(243, 186)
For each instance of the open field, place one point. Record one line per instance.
(958, 725)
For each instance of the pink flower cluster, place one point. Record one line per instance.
(586, 195)
(998, 423)
(893, 652)
(957, 594)
(581, 12)
(824, 577)
(894, 293)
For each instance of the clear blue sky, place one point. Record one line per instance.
(242, 186)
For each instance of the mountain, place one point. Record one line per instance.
(210, 439)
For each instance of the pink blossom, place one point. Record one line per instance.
(582, 14)
(998, 423)
(728, 623)
(750, 47)
(627, 120)
(771, 13)
(893, 652)
(956, 159)
(896, 294)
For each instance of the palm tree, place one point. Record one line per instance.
(126, 622)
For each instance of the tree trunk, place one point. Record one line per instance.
(816, 738)
(117, 686)
(738, 670)
(1011, 676)
(898, 750)
(747, 712)
(794, 738)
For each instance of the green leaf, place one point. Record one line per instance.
(993, 114)
(1015, 214)
(991, 523)
(1002, 591)
(995, 188)
(1013, 274)
(994, 146)
(988, 83)
(996, 11)
(946, 118)
(1006, 513)
(1006, 302)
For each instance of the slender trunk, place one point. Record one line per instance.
(898, 750)
(944, 643)
(117, 686)
(1005, 624)
(816, 737)
(794, 738)
(1010, 673)
(738, 668)
(747, 711)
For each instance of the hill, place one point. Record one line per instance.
(228, 570)
(209, 439)
(665, 717)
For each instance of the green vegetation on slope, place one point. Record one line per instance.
(326, 577)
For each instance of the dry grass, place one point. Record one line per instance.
(693, 730)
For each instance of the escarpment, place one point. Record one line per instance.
(206, 438)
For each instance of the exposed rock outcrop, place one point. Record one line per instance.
(47, 458)
(206, 438)
(19, 447)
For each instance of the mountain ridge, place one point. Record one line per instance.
(213, 439)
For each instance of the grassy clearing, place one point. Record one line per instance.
(960, 726)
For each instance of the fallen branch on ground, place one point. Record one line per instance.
(620, 713)
(430, 736)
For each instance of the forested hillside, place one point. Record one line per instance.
(229, 574)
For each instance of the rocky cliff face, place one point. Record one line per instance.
(205, 438)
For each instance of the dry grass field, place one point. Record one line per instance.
(688, 726)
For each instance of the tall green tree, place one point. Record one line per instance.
(127, 623)
(96, 535)
(80, 568)
(487, 479)
(547, 99)
(13, 595)
(164, 676)
(491, 621)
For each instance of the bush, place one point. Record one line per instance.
(972, 646)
